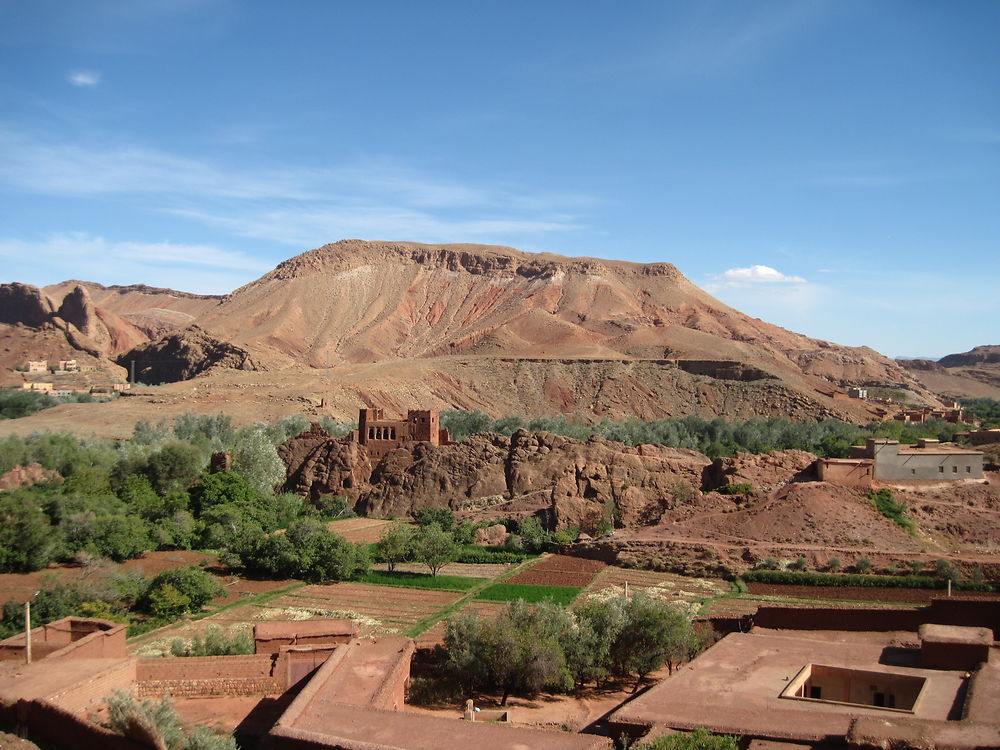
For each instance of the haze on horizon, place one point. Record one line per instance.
(831, 167)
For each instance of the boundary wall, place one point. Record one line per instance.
(191, 676)
(967, 612)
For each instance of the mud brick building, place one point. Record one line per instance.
(380, 435)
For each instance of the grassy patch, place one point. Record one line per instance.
(508, 592)
(422, 581)
(895, 510)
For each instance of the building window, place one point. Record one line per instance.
(954, 470)
(940, 470)
(913, 472)
(968, 469)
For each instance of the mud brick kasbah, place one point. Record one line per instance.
(784, 677)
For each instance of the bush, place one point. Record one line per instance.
(184, 589)
(735, 489)
(699, 739)
(215, 642)
(833, 564)
(768, 563)
(791, 578)
(27, 540)
(895, 510)
(863, 565)
(128, 716)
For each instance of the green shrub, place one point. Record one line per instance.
(895, 510)
(792, 578)
(472, 554)
(215, 642)
(699, 739)
(735, 489)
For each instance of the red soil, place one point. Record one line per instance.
(860, 593)
(559, 570)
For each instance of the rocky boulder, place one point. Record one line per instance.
(25, 305)
(25, 476)
(492, 536)
(184, 354)
(765, 471)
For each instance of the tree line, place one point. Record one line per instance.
(830, 438)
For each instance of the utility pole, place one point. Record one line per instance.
(132, 367)
(27, 631)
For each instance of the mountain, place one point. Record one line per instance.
(87, 322)
(399, 324)
(971, 374)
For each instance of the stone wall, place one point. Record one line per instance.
(209, 675)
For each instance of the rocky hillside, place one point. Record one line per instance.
(86, 321)
(512, 332)
(971, 374)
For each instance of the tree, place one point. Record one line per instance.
(256, 460)
(441, 516)
(187, 587)
(27, 540)
(654, 634)
(434, 547)
(394, 545)
(120, 537)
(176, 464)
(532, 534)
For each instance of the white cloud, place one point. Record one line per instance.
(300, 206)
(753, 275)
(84, 78)
(191, 268)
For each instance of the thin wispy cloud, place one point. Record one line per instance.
(84, 78)
(193, 268)
(751, 276)
(295, 206)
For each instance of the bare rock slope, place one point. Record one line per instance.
(971, 374)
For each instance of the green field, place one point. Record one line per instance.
(508, 592)
(421, 581)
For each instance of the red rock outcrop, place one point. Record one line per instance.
(25, 476)
(765, 471)
(568, 481)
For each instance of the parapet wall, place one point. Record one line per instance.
(86, 695)
(70, 637)
(54, 727)
(968, 612)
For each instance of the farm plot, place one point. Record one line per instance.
(365, 530)
(687, 594)
(559, 570)
(378, 609)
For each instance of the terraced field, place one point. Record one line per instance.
(366, 530)
(559, 570)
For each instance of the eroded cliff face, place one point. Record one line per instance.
(567, 481)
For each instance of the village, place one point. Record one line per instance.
(776, 675)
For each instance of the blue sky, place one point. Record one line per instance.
(832, 167)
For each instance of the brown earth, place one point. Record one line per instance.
(971, 374)
(25, 476)
(479, 327)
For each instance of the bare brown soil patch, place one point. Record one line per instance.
(559, 570)
(359, 530)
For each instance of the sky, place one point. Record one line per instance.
(831, 166)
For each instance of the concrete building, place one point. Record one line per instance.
(38, 366)
(886, 460)
(928, 460)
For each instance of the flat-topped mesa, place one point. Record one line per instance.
(473, 259)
